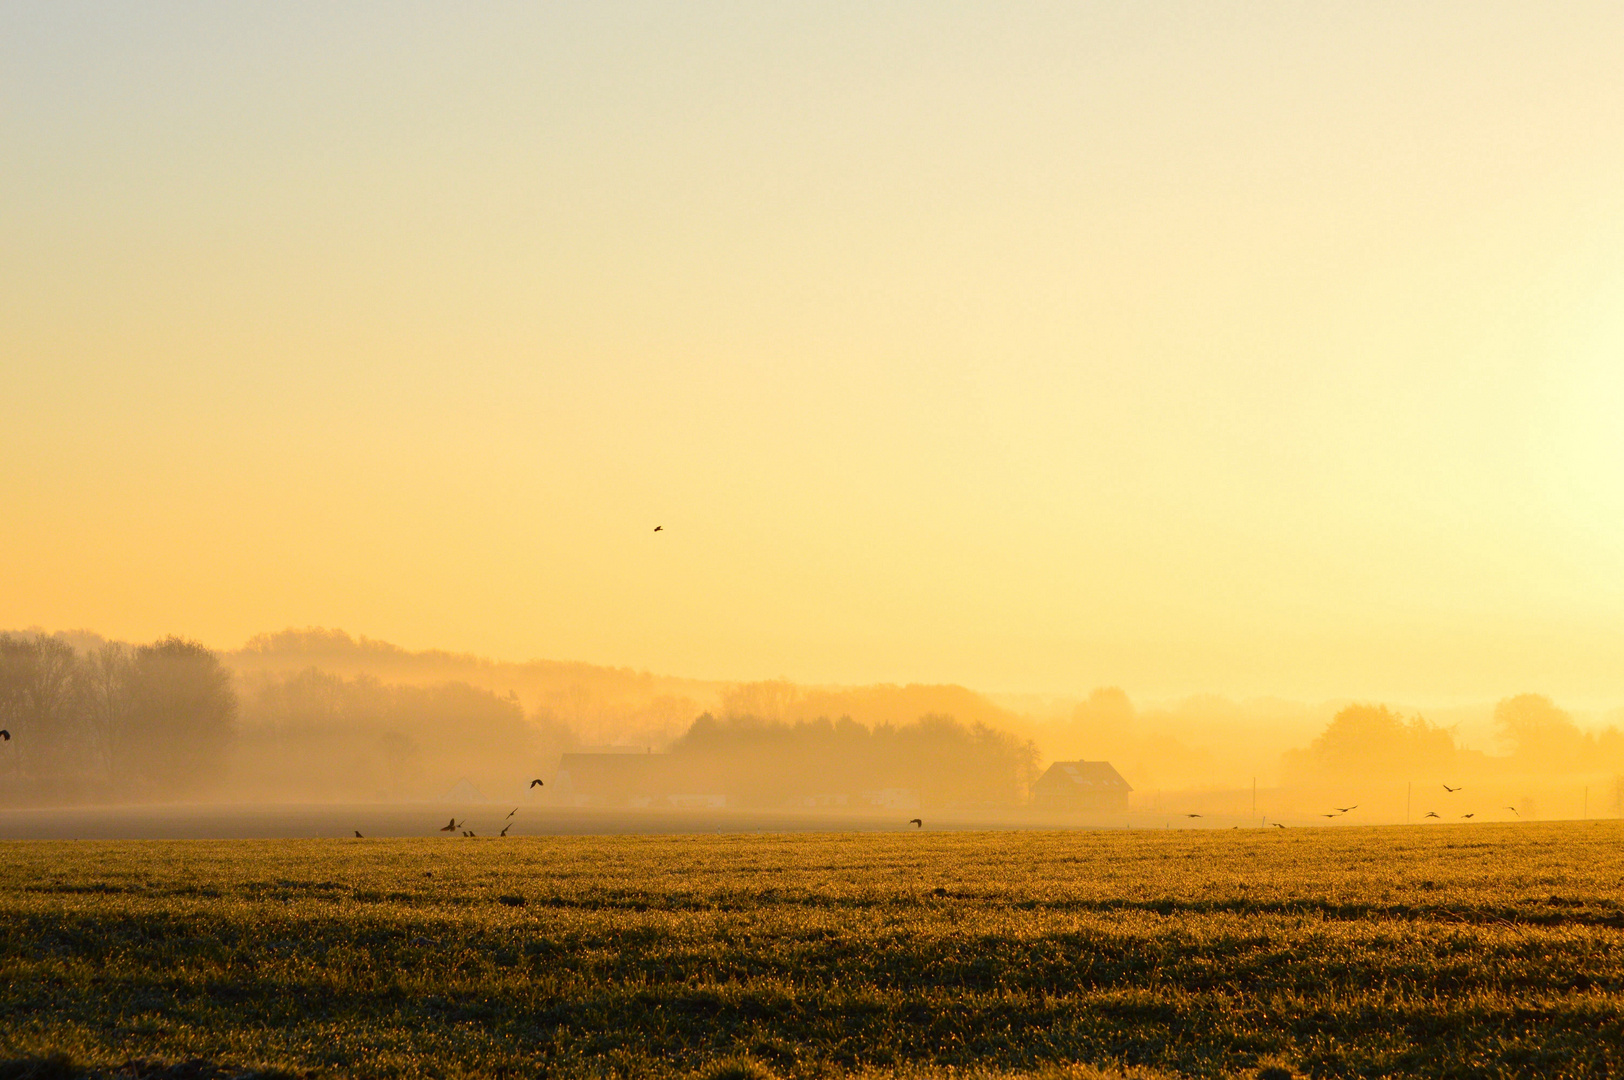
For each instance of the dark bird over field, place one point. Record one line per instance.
(358, 835)
(1277, 825)
(450, 826)
(659, 528)
(1431, 813)
(1345, 809)
(537, 783)
(505, 828)
(1192, 815)
(5, 736)
(916, 821)
(1448, 788)
(1513, 809)
(1468, 815)
(515, 810)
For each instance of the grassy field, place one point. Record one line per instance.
(1455, 951)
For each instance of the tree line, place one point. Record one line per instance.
(944, 761)
(144, 721)
(171, 720)
(317, 735)
(1541, 738)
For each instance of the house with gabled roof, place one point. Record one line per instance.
(1081, 785)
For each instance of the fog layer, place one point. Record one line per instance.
(317, 716)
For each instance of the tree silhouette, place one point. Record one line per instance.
(1542, 736)
(182, 712)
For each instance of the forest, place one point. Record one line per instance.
(314, 716)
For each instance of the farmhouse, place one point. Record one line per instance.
(1081, 785)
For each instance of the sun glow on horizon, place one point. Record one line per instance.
(1255, 351)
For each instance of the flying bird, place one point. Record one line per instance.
(5, 736)
(515, 810)
(1513, 809)
(916, 821)
(1431, 813)
(1277, 825)
(1448, 788)
(505, 828)
(537, 784)
(1468, 815)
(659, 528)
(450, 826)
(1192, 815)
(1327, 815)
(1345, 809)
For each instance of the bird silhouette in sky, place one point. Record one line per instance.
(916, 821)
(505, 828)
(659, 528)
(1192, 815)
(1513, 809)
(1345, 809)
(1327, 815)
(537, 784)
(450, 826)
(1430, 813)
(515, 810)
(5, 735)
(358, 835)
(1468, 815)
(1277, 825)
(1450, 789)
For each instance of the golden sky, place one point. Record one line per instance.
(1254, 348)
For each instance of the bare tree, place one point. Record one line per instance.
(38, 699)
(105, 677)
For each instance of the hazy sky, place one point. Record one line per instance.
(1253, 348)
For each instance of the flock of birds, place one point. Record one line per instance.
(455, 826)
(1338, 811)
(1466, 817)
(462, 826)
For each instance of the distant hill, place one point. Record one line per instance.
(608, 704)
(600, 703)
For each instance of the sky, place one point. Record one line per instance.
(1254, 348)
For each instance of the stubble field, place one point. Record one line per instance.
(1454, 951)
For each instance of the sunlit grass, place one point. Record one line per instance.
(1455, 951)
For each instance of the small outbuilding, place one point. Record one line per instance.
(463, 793)
(1081, 785)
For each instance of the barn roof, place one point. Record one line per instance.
(1089, 775)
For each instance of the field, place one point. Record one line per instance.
(1457, 951)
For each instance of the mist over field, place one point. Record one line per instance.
(318, 716)
(1081, 541)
